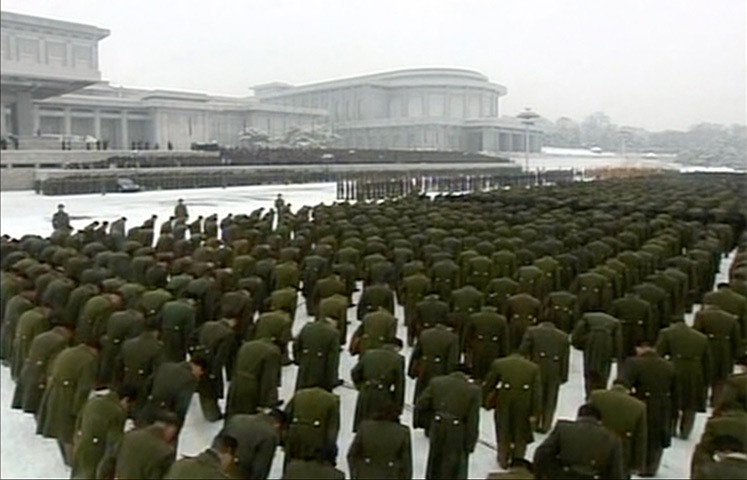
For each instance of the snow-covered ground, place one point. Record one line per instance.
(580, 158)
(26, 455)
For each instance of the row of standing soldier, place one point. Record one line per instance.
(488, 311)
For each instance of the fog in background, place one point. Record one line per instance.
(656, 64)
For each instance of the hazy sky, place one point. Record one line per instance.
(652, 63)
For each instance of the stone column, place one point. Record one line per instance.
(125, 132)
(67, 126)
(24, 114)
(97, 124)
(3, 125)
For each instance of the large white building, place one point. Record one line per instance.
(51, 88)
(431, 108)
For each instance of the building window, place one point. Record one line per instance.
(51, 125)
(28, 50)
(436, 105)
(457, 106)
(57, 54)
(415, 106)
(83, 56)
(5, 46)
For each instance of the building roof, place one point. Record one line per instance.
(70, 28)
(406, 77)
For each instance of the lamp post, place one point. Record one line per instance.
(527, 118)
(625, 135)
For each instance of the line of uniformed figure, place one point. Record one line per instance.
(495, 288)
(376, 186)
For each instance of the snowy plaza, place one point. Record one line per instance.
(26, 455)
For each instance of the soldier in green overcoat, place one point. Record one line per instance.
(464, 301)
(373, 297)
(313, 467)
(625, 415)
(255, 379)
(137, 360)
(479, 271)
(652, 380)
(212, 463)
(690, 353)
(276, 325)
(435, 353)
(452, 404)
(16, 307)
(258, 436)
(513, 388)
(148, 452)
(71, 379)
(326, 287)
(284, 299)
(379, 377)
(216, 341)
(172, 386)
(178, 320)
(31, 382)
(598, 335)
(730, 301)
(98, 432)
(485, 339)
(381, 448)
(316, 351)
(561, 308)
(428, 312)
(444, 277)
(549, 348)
(594, 292)
(335, 308)
(413, 290)
(120, 326)
(239, 305)
(285, 274)
(522, 311)
(31, 323)
(376, 329)
(722, 330)
(580, 449)
(313, 416)
(729, 420)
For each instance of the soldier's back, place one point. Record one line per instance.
(143, 454)
(204, 465)
(381, 449)
(303, 469)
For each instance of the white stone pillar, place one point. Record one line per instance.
(67, 125)
(125, 131)
(97, 124)
(3, 125)
(25, 114)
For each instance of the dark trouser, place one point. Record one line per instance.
(66, 449)
(209, 402)
(549, 403)
(653, 457)
(510, 445)
(686, 421)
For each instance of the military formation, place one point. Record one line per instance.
(109, 332)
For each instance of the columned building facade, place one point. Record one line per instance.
(51, 90)
(423, 108)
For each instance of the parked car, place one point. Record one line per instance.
(127, 185)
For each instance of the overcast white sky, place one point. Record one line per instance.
(657, 64)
